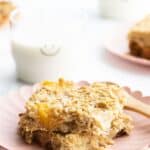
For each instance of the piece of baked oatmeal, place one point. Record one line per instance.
(67, 116)
(6, 7)
(139, 38)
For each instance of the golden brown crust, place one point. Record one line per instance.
(140, 51)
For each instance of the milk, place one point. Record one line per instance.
(46, 50)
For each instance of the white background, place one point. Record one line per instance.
(98, 65)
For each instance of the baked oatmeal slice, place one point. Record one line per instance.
(64, 110)
(139, 38)
(6, 8)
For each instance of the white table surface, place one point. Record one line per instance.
(98, 65)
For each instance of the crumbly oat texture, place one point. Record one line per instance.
(139, 37)
(67, 116)
(6, 8)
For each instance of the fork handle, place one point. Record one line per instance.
(136, 105)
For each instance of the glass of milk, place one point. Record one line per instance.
(45, 47)
(124, 9)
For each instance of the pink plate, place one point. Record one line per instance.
(12, 104)
(117, 44)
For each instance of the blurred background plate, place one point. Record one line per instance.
(117, 43)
